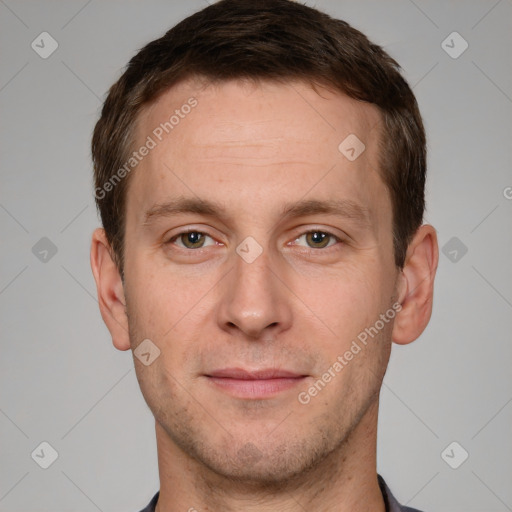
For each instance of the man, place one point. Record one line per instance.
(260, 172)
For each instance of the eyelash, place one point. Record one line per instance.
(313, 249)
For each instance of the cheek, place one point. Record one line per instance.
(160, 298)
(174, 310)
(345, 302)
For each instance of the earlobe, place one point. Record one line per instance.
(416, 286)
(110, 290)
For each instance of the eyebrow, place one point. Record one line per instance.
(345, 208)
(184, 205)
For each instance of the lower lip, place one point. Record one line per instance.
(256, 388)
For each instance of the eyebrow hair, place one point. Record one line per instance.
(184, 205)
(340, 207)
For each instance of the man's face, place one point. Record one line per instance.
(221, 307)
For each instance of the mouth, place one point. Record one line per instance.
(258, 384)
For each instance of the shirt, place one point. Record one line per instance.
(389, 500)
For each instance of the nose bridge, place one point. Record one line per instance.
(253, 299)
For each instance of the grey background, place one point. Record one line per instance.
(63, 382)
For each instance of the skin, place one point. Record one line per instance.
(254, 148)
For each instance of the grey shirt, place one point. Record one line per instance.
(391, 504)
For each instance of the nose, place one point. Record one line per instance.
(254, 299)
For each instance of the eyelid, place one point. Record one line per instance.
(338, 238)
(170, 240)
(173, 238)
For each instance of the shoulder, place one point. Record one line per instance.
(392, 504)
(152, 504)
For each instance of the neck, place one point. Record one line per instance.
(345, 480)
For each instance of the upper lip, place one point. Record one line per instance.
(242, 374)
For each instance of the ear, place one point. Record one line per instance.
(416, 286)
(110, 290)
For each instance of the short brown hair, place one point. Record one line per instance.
(267, 40)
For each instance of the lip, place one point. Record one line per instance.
(254, 384)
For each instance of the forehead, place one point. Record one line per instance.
(247, 141)
(293, 109)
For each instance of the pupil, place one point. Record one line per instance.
(318, 237)
(193, 237)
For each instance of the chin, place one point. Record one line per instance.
(262, 465)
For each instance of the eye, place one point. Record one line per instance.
(191, 240)
(318, 239)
